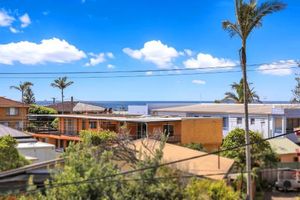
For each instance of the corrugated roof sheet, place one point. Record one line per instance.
(215, 108)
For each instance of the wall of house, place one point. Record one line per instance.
(206, 131)
(15, 121)
(286, 158)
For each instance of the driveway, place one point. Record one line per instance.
(282, 195)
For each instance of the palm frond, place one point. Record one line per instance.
(231, 28)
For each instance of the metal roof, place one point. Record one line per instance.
(216, 108)
(116, 118)
(5, 130)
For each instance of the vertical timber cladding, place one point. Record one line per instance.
(206, 131)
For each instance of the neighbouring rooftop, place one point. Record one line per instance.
(4, 102)
(283, 146)
(76, 106)
(116, 118)
(20, 136)
(215, 108)
(209, 166)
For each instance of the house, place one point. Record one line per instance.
(285, 149)
(28, 146)
(13, 113)
(77, 107)
(208, 166)
(268, 119)
(207, 131)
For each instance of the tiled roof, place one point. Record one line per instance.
(4, 102)
(76, 107)
(206, 166)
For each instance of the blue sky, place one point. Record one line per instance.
(110, 35)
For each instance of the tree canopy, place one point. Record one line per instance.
(262, 154)
(36, 109)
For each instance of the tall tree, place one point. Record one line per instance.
(249, 15)
(238, 95)
(296, 92)
(62, 83)
(29, 96)
(22, 87)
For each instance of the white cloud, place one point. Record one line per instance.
(149, 73)
(156, 52)
(49, 50)
(99, 58)
(188, 52)
(5, 19)
(199, 82)
(208, 61)
(13, 30)
(110, 66)
(110, 55)
(25, 20)
(280, 68)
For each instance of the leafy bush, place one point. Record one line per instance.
(207, 189)
(36, 109)
(9, 155)
(97, 137)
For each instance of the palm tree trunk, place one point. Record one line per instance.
(247, 139)
(62, 101)
(22, 98)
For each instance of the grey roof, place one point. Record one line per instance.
(83, 107)
(216, 108)
(5, 130)
(20, 136)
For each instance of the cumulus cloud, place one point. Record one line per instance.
(199, 82)
(280, 68)
(5, 19)
(25, 20)
(156, 52)
(49, 50)
(99, 58)
(208, 61)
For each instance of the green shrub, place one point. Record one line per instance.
(209, 190)
(36, 109)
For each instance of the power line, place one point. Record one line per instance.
(148, 76)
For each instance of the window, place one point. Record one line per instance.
(252, 121)
(93, 124)
(225, 122)
(296, 159)
(168, 129)
(278, 124)
(239, 120)
(83, 127)
(12, 111)
(69, 126)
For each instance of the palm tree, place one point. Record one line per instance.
(249, 15)
(238, 95)
(29, 96)
(62, 83)
(22, 87)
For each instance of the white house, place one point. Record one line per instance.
(268, 119)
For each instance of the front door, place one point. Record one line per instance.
(141, 130)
